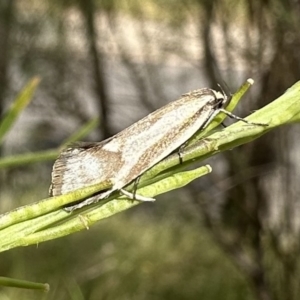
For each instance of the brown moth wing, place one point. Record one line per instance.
(154, 137)
(124, 157)
(83, 165)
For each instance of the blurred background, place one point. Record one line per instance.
(234, 234)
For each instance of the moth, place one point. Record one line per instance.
(125, 156)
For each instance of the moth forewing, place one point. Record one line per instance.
(130, 153)
(157, 135)
(127, 155)
(80, 167)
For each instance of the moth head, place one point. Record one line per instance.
(223, 97)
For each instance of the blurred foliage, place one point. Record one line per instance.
(138, 258)
(20, 103)
(118, 60)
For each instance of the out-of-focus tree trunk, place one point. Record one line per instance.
(6, 13)
(242, 228)
(96, 56)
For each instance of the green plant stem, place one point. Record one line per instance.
(37, 230)
(46, 222)
(24, 284)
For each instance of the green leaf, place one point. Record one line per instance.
(22, 100)
(46, 155)
(24, 284)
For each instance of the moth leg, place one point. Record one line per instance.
(134, 196)
(97, 198)
(89, 201)
(135, 185)
(180, 150)
(231, 115)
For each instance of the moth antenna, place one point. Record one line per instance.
(225, 91)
